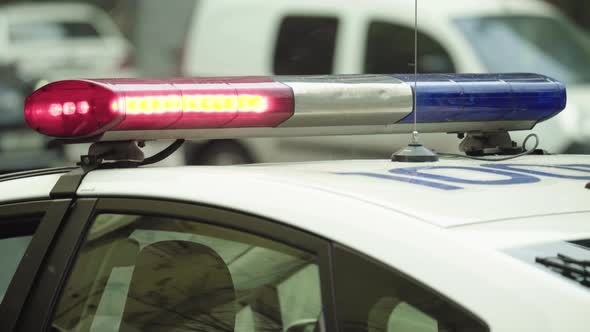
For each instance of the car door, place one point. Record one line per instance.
(121, 264)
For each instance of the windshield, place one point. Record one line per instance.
(51, 31)
(529, 44)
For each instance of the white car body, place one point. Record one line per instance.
(53, 41)
(458, 242)
(223, 28)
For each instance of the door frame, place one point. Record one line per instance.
(49, 215)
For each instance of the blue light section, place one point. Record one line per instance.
(485, 97)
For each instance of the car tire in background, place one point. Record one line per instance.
(217, 152)
(578, 148)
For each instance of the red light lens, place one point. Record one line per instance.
(71, 109)
(89, 108)
(233, 103)
(255, 101)
(83, 107)
(147, 104)
(206, 104)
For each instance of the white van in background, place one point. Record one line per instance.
(292, 37)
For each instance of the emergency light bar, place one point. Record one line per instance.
(229, 107)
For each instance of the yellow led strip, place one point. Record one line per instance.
(194, 104)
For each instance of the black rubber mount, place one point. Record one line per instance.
(67, 185)
(414, 153)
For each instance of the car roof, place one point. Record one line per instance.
(469, 7)
(448, 193)
(377, 182)
(430, 8)
(48, 11)
(60, 12)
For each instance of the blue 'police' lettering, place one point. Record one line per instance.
(513, 173)
(577, 165)
(523, 168)
(421, 182)
(511, 178)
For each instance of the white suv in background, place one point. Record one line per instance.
(63, 40)
(235, 37)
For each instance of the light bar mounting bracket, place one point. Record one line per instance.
(123, 154)
(488, 143)
(128, 151)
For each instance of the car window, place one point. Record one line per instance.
(529, 44)
(390, 50)
(15, 236)
(582, 243)
(306, 45)
(374, 298)
(50, 31)
(135, 273)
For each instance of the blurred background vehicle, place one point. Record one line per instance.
(259, 37)
(46, 42)
(20, 148)
(63, 40)
(339, 37)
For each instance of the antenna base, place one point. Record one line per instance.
(414, 153)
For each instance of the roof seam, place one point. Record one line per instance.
(349, 196)
(519, 218)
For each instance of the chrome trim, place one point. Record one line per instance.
(348, 100)
(457, 127)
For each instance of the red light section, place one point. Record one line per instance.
(70, 109)
(282, 99)
(88, 108)
(146, 104)
(206, 103)
(83, 107)
(233, 102)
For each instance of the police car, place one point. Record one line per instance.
(498, 242)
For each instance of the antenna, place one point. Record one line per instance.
(415, 152)
(415, 132)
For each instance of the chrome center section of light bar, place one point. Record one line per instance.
(364, 100)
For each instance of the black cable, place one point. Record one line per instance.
(147, 161)
(526, 153)
(167, 152)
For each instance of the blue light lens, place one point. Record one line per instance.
(485, 97)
